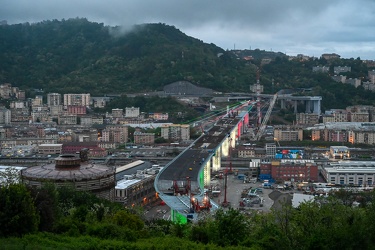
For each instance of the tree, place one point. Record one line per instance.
(232, 227)
(18, 215)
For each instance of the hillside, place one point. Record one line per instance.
(76, 55)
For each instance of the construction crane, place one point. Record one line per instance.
(266, 117)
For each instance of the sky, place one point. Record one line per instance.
(309, 27)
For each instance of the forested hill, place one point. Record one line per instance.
(76, 55)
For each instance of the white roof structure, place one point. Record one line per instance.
(344, 125)
(300, 198)
(355, 167)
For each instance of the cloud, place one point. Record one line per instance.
(297, 26)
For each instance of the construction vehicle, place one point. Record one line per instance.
(204, 205)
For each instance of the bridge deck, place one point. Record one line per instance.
(189, 162)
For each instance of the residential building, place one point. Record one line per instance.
(368, 85)
(328, 118)
(341, 69)
(77, 99)
(371, 76)
(339, 78)
(320, 69)
(175, 132)
(315, 134)
(117, 113)
(144, 138)
(76, 110)
(115, 133)
(330, 56)
(355, 82)
(362, 136)
(138, 190)
(270, 150)
(288, 133)
(37, 101)
(5, 116)
(132, 112)
(67, 119)
(85, 135)
(359, 117)
(5, 90)
(100, 102)
(245, 152)
(56, 110)
(54, 99)
(159, 116)
(307, 118)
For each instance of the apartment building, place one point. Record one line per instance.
(175, 132)
(77, 99)
(54, 99)
(288, 133)
(121, 134)
(307, 118)
(355, 82)
(57, 110)
(5, 116)
(76, 110)
(144, 138)
(67, 119)
(360, 117)
(341, 69)
(132, 112)
(159, 116)
(37, 101)
(361, 136)
(320, 69)
(117, 113)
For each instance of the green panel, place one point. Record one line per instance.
(178, 218)
(201, 178)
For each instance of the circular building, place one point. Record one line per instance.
(76, 171)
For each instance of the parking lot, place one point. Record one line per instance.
(238, 194)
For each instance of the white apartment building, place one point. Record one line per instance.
(77, 99)
(132, 112)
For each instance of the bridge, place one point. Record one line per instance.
(312, 103)
(182, 182)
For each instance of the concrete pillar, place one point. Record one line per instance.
(308, 106)
(282, 104)
(295, 107)
(317, 107)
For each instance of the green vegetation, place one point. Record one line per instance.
(76, 55)
(61, 218)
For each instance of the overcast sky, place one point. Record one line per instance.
(310, 27)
